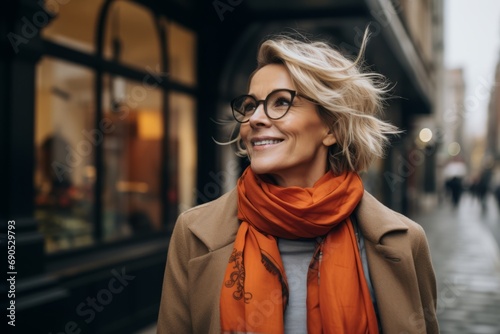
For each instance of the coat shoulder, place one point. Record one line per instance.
(377, 221)
(415, 230)
(214, 223)
(206, 211)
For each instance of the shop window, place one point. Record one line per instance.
(74, 23)
(132, 158)
(146, 134)
(64, 142)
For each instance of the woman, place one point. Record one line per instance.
(299, 246)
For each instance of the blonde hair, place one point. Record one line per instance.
(348, 99)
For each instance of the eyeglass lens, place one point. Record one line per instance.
(276, 106)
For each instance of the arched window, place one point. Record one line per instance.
(115, 124)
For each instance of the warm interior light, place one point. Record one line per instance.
(150, 124)
(132, 187)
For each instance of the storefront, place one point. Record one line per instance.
(109, 111)
(99, 141)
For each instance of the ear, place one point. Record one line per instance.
(329, 139)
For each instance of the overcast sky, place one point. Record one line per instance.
(472, 41)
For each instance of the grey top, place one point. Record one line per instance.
(296, 256)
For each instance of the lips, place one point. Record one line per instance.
(263, 142)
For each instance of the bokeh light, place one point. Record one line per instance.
(425, 135)
(454, 149)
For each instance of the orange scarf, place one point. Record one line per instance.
(254, 294)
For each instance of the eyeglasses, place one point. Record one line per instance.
(276, 105)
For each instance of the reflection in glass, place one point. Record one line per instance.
(131, 37)
(74, 23)
(132, 159)
(182, 53)
(65, 142)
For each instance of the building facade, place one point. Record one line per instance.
(493, 129)
(108, 113)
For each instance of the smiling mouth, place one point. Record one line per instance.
(266, 142)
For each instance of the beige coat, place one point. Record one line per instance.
(202, 241)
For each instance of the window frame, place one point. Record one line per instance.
(101, 67)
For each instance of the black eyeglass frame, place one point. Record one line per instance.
(293, 94)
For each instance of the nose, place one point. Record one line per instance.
(259, 117)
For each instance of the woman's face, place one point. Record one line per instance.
(293, 149)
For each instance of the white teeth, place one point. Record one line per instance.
(266, 142)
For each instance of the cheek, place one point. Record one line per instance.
(308, 134)
(244, 132)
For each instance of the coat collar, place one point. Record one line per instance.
(376, 220)
(221, 223)
(218, 223)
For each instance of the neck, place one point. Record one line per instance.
(303, 180)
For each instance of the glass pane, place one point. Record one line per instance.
(64, 139)
(131, 37)
(132, 155)
(182, 54)
(183, 140)
(75, 24)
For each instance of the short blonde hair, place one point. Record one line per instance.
(348, 99)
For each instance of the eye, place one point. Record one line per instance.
(248, 106)
(244, 104)
(281, 102)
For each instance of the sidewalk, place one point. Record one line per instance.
(466, 259)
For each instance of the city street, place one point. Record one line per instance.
(467, 263)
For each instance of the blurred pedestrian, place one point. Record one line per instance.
(308, 124)
(482, 187)
(454, 186)
(454, 172)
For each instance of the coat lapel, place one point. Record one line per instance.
(217, 232)
(390, 263)
(221, 224)
(376, 220)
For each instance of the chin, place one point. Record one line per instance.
(258, 167)
(263, 168)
